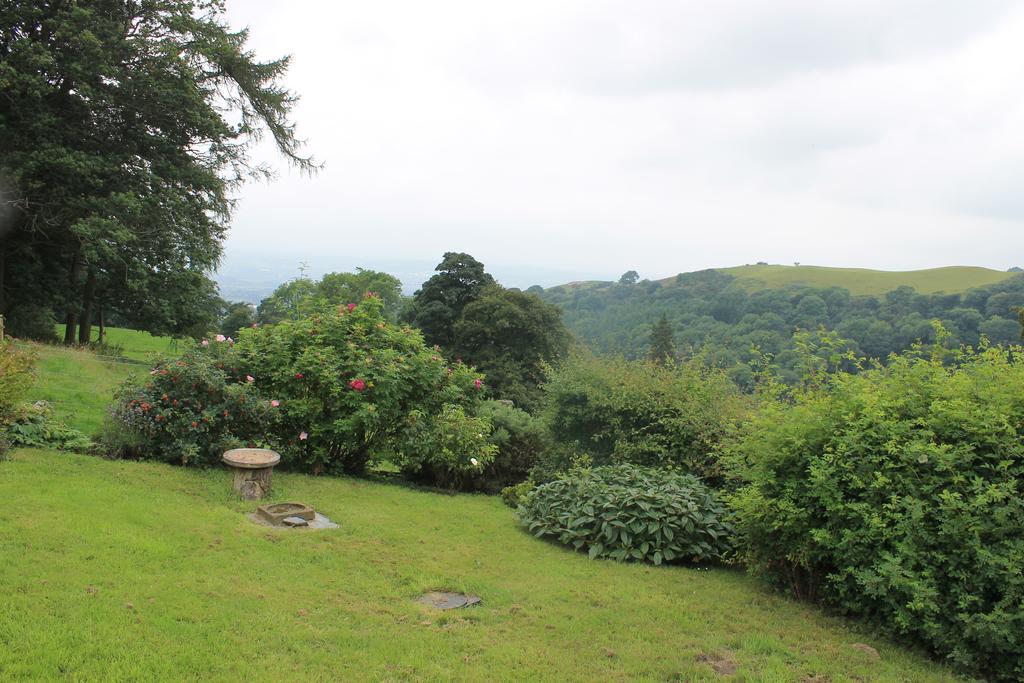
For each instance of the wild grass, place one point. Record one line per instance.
(78, 384)
(138, 571)
(136, 345)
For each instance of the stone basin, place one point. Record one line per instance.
(276, 513)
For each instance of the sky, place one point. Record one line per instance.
(567, 140)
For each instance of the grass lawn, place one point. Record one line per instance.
(135, 344)
(134, 571)
(78, 383)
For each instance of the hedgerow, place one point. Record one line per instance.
(898, 495)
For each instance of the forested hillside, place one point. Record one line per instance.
(716, 311)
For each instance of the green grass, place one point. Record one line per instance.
(950, 280)
(78, 384)
(135, 571)
(136, 345)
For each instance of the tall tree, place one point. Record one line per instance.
(437, 305)
(509, 335)
(125, 125)
(630, 277)
(663, 342)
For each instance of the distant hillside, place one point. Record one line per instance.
(730, 312)
(858, 281)
(951, 279)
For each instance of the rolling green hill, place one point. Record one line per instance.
(736, 314)
(951, 279)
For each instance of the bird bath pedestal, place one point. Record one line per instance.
(252, 468)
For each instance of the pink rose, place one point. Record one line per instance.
(351, 307)
(205, 342)
(275, 403)
(357, 384)
(303, 436)
(220, 337)
(477, 383)
(250, 379)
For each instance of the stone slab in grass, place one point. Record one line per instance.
(445, 600)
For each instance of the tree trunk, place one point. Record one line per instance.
(103, 329)
(71, 318)
(70, 323)
(3, 271)
(85, 321)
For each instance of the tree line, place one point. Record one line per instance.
(125, 127)
(710, 312)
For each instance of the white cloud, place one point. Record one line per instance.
(583, 138)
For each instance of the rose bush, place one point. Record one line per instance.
(189, 410)
(352, 387)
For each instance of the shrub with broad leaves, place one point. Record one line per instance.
(626, 512)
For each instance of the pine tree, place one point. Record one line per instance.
(125, 127)
(663, 343)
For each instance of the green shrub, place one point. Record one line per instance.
(896, 494)
(621, 411)
(16, 377)
(513, 495)
(35, 427)
(627, 512)
(521, 440)
(189, 410)
(450, 450)
(353, 387)
(31, 322)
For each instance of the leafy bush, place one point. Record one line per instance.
(34, 426)
(191, 409)
(513, 495)
(621, 411)
(353, 387)
(450, 450)
(520, 438)
(33, 322)
(896, 494)
(627, 512)
(16, 377)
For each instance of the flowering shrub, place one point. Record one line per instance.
(626, 512)
(191, 409)
(352, 386)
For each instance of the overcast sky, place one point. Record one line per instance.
(575, 140)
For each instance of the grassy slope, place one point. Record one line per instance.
(863, 281)
(136, 345)
(121, 570)
(79, 384)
